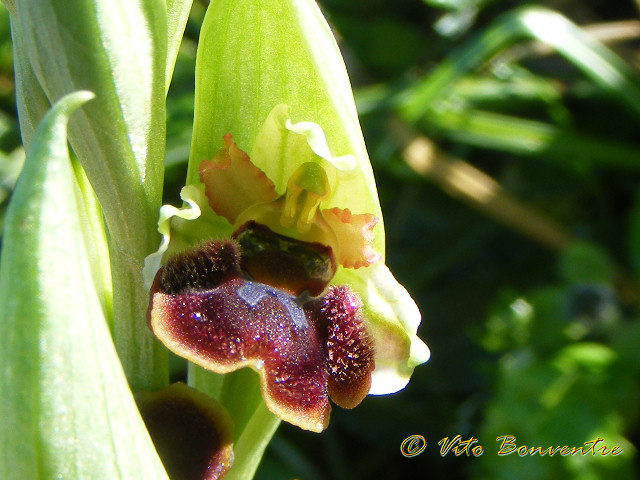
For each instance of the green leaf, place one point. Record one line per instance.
(534, 139)
(10, 167)
(94, 231)
(67, 411)
(31, 100)
(118, 50)
(177, 16)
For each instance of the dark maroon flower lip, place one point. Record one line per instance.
(305, 351)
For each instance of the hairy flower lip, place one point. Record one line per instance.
(304, 350)
(199, 327)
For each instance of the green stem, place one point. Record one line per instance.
(251, 444)
(144, 359)
(254, 424)
(533, 138)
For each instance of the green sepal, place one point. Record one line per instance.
(256, 55)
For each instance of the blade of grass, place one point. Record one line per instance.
(480, 191)
(532, 138)
(595, 60)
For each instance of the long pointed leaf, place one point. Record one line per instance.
(67, 411)
(31, 100)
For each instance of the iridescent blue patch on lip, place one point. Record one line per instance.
(253, 292)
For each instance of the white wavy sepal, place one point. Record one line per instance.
(192, 211)
(392, 301)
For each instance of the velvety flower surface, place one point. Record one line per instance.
(263, 297)
(204, 309)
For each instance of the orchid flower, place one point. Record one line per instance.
(286, 272)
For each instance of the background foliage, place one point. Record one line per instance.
(515, 226)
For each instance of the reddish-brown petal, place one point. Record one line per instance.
(232, 183)
(349, 349)
(355, 237)
(191, 432)
(242, 323)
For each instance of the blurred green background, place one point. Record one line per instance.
(505, 139)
